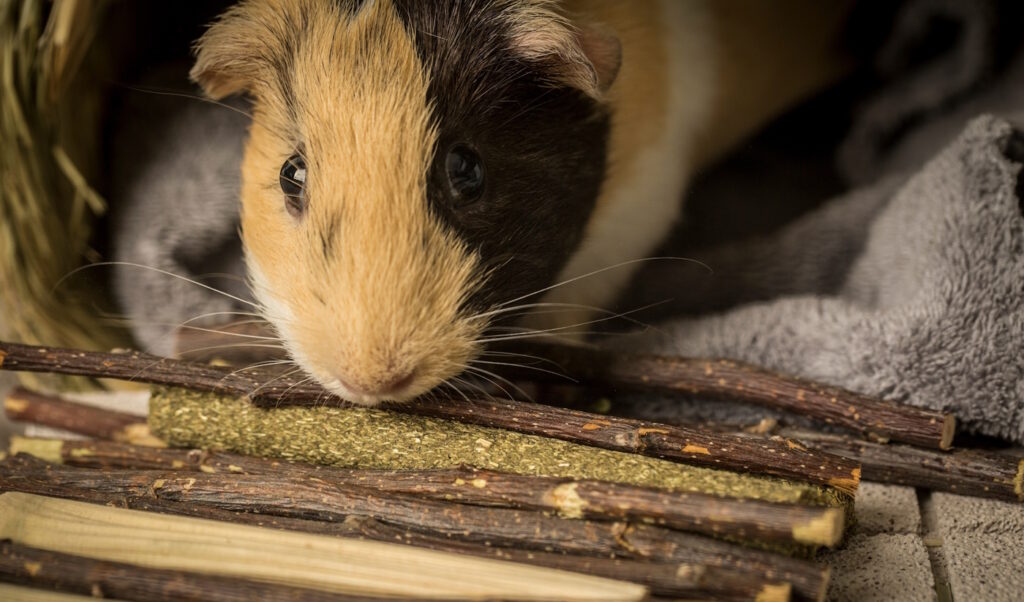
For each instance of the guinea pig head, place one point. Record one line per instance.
(414, 171)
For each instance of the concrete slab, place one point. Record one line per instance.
(982, 543)
(960, 513)
(881, 568)
(886, 509)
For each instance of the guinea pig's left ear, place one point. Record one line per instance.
(582, 55)
(225, 63)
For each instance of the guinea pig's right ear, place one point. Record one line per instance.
(586, 56)
(225, 54)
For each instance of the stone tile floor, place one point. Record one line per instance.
(910, 546)
(916, 545)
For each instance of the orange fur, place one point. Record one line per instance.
(386, 301)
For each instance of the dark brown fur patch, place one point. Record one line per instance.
(543, 144)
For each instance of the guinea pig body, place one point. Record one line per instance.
(417, 172)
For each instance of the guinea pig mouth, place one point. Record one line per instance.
(397, 387)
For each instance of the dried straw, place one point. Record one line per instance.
(49, 131)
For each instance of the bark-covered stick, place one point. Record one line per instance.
(962, 471)
(475, 525)
(664, 579)
(735, 381)
(122, 581)
(297, 559)
(700, 513)
(784, 459)
(710, 379)
(339, 437)
(779, 459)
(321, 500)
(22, 405)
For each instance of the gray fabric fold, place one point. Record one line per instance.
(909, 290)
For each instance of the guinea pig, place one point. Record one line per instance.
(416, 171)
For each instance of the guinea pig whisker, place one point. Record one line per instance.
(602, 270)
(236, 346)
(550, 331)
(450, 384)
(226, 313)
(227, 346)
(266, 364)
(177, 94)
(523, 355)
(484, 374)
(230, 334)
(527, 367)
(488, 394)
(157, 270)
(277, 378)
(553, 307)
(222, 275)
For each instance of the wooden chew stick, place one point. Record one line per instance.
(735, 381)
(474, 525)
(700, 513)
(296, 559)
(663, 579)
(189, 419)
(316, 499)
(780, 459)
(21, 593)
(711, 379)
(122, 581)
(973, 472)
(967, 472)
(23, 405)
(962, 471)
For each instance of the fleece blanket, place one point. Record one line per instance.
(910, 287)
(928, 281)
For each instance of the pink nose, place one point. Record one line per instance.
(387, 387)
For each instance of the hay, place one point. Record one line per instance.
(49, 132)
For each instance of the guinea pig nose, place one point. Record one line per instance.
(390, 385)
(398, 383)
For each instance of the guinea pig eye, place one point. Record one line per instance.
(293, 179)
(465, 171)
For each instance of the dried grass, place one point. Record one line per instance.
(49, 129)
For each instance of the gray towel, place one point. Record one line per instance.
(909, 290)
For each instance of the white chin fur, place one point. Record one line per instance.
(370, 401)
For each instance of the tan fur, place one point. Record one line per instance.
(694, 78)
(771, 54)
(697, 77)
(588, 57)
(386, 302)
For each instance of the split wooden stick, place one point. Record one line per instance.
(962, 471)
(735, 381)
(675, 443)
(494, 526)
(699, 513)
(188, 419)
(122, 581)
(777, 458)
(319, 499)
(328, 564)
(706, 378)
(22, 405)
(666, 579)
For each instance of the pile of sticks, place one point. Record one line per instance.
(669, 542)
